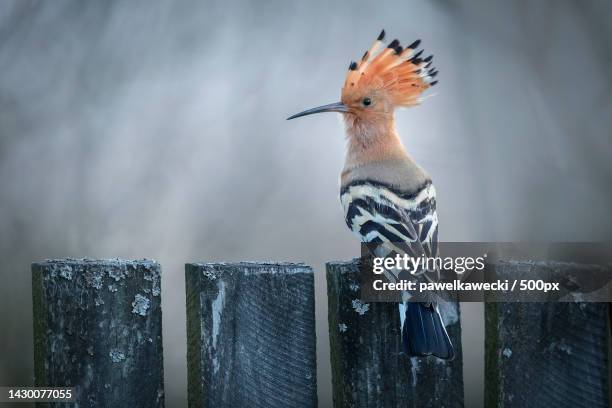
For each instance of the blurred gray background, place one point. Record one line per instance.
(157, 129)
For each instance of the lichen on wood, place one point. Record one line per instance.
(251, 335)
(369, 367)
(97, 327)
(546, 354)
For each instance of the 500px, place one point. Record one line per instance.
(539, 285)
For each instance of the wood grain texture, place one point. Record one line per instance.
(369, 368)
(546, 354)
(98, 327)
(251, 335)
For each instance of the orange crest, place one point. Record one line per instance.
(396, 74)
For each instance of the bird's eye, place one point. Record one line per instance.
(367, 101)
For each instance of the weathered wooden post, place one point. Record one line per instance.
(546, 354)
(250, 335)
(369, 368)
(98, 328)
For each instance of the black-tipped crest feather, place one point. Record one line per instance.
(416, 56)
(414, 44)
(385, 68)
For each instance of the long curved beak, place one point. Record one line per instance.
(332, 107)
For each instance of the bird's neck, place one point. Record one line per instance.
(372, 141)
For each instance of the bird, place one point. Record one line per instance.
(387, 198)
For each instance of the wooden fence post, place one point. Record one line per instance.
(545, 354)
(369, 368)
(250, 335)
(98, 328)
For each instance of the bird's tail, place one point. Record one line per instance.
(423, 332)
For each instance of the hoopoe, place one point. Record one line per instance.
(387, 198)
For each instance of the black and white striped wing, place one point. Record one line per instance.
(406, 223)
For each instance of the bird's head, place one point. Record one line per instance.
(383, 80)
